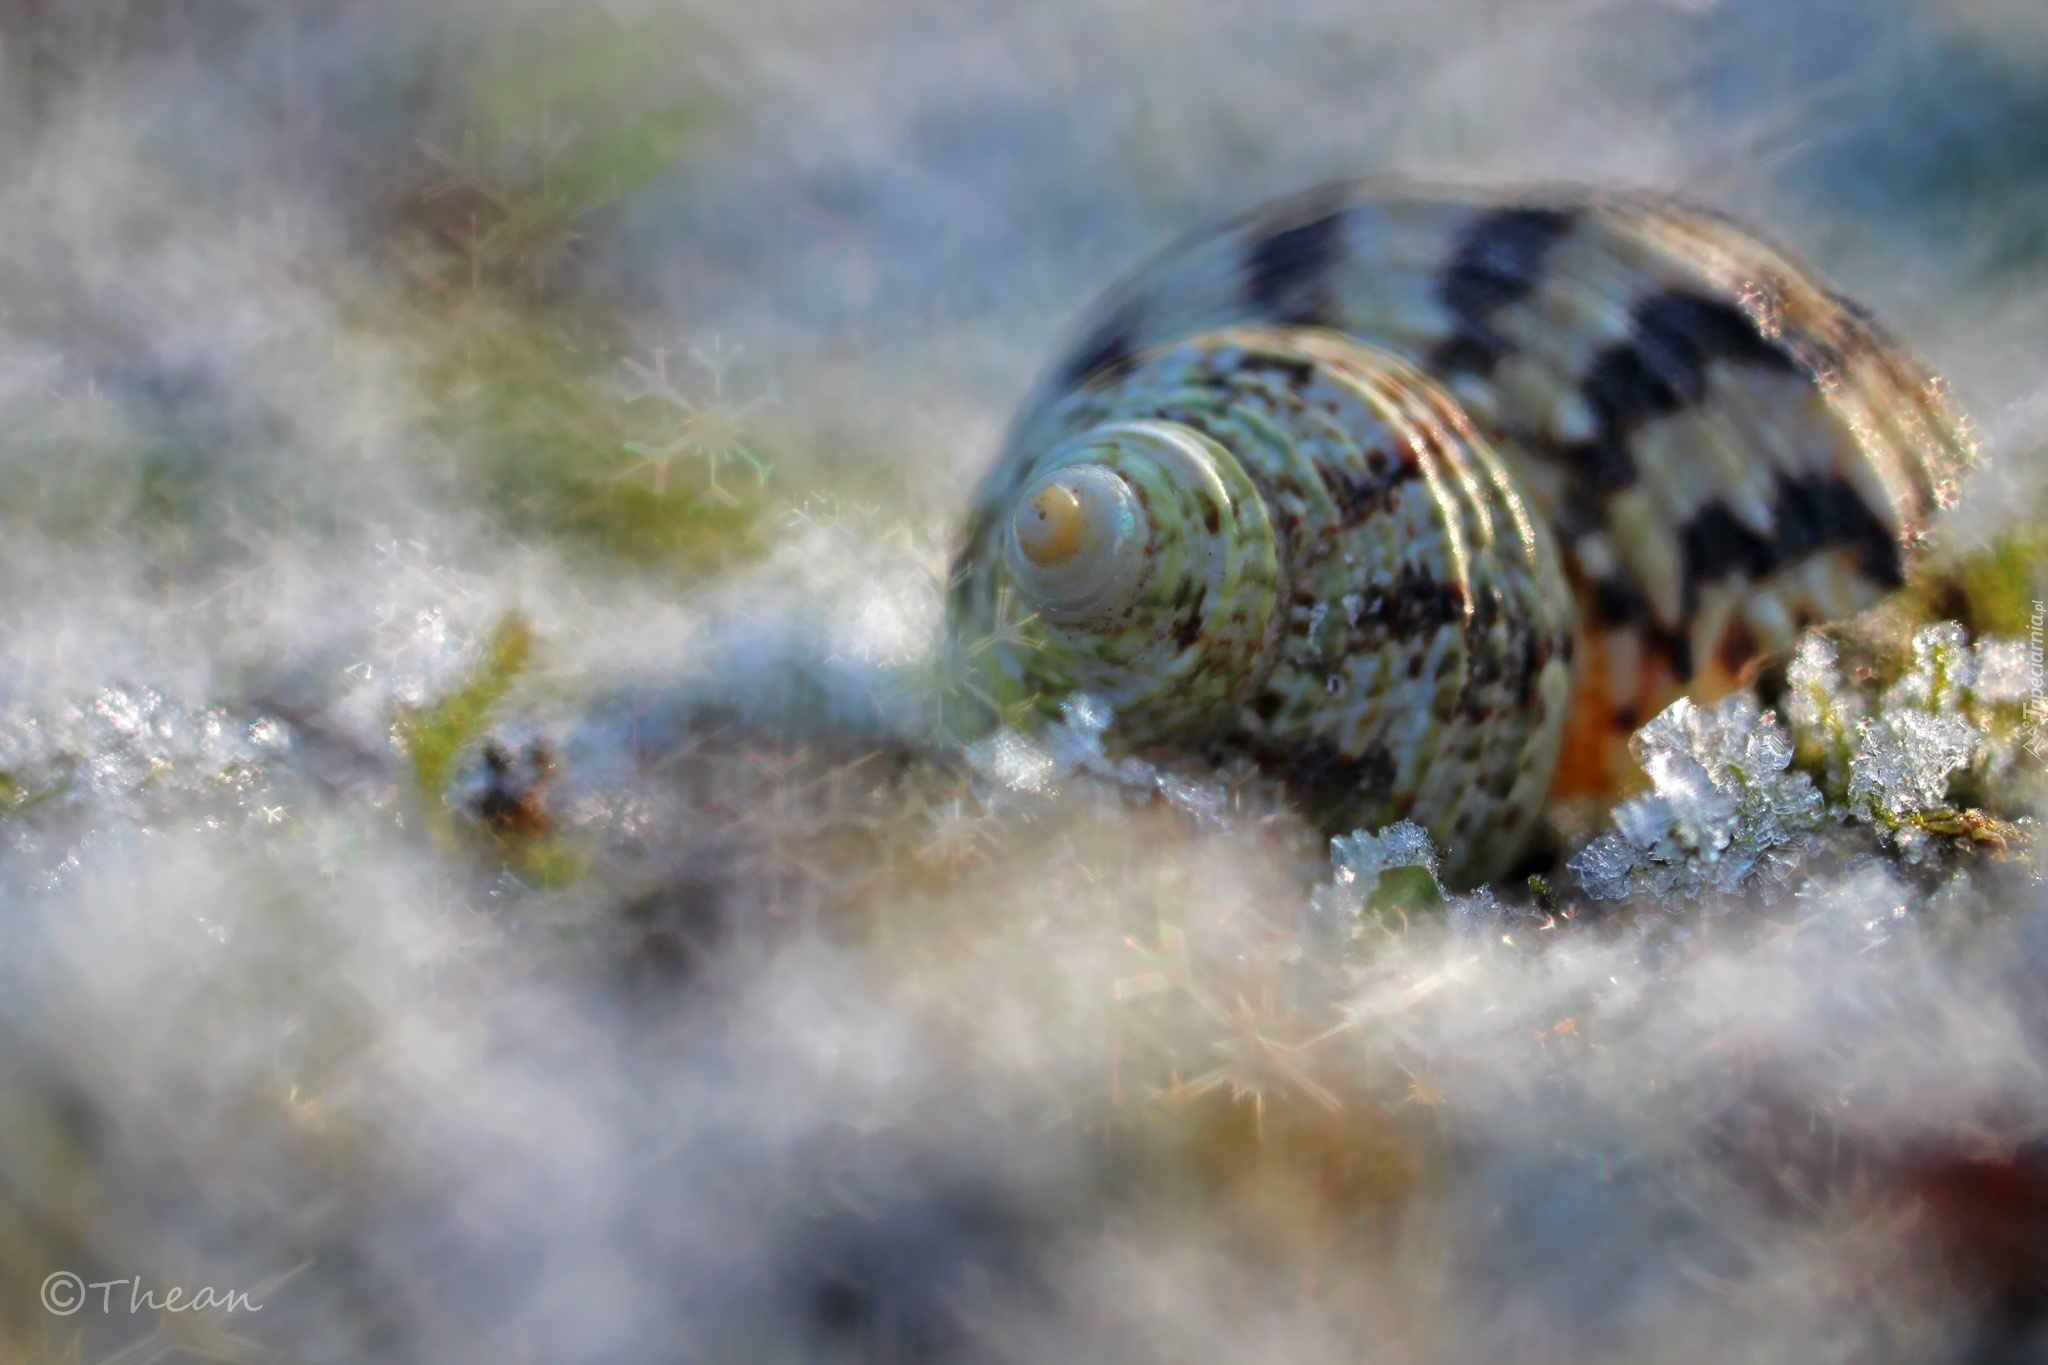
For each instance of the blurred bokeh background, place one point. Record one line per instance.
(475, 480)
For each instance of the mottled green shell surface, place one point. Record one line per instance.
(1410, 490)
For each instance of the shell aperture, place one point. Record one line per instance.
(1624, 448)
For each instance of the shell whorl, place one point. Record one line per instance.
(1623, 449)
(1169, 628)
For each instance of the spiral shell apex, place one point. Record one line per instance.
(1420, 503)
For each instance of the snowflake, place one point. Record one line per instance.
(711, 429)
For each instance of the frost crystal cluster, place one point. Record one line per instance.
(1727, 802)
(130, 753)
(1953, 717)
(1071, 748)
(1723, 806)
(1343, 907)
(1360, 857)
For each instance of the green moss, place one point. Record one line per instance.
(527, 386)
(439, 737)
(436, 736)
(592, 94)
(1404, 890)
(82, 468)
(544, 441)
(2001, 583)
(545, 861)
(574, 110)
(21, 791)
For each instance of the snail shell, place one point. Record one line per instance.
(1423, 500)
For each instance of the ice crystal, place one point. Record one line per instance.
(1037, 764)
(1903, 761)
(1726, 802)
(1482, 914)
(1476, 913)
(1358, 862)
(2004, 673)
(1824, 713)
(1723, 806)
(1072, 748)
(1204, 801)
(1360, 857)
(133, 753)
(1075, 742)
(1958, 708)
(1944, 672)
(1014, 762)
